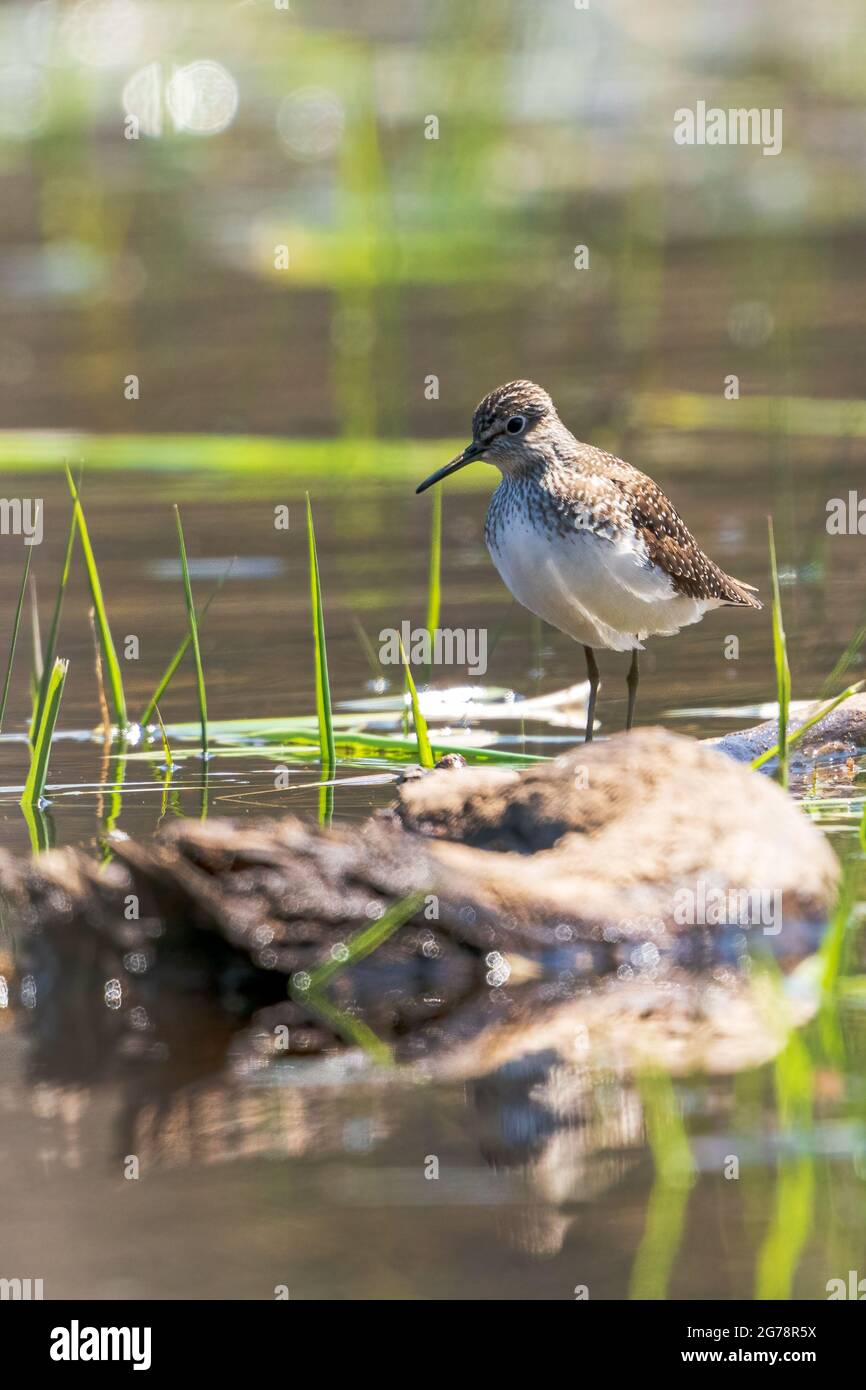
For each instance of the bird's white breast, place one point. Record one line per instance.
(602, 592)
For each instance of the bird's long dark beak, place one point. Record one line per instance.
(472, 452)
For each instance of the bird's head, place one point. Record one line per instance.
(508, 429)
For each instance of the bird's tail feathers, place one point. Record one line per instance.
(742, 595)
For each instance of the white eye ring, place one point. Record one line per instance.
(516, 425)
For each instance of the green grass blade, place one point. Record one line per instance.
(323, 684)
(16, 624)
(434, 575)
(675, 1176)
(34, 787)
(844, 661)
(38, 827)
(780, 657)
(326, 803)
(793, 736)
(364, 942)
(115, 801)
(37, 662)
(53, 631)
(833, 955)
(831, 949)
(367, 647)
(169, 766)
(150, 707)
(115, 680)
(353, 743)
(793, 1214)
(309, 988)
(353, 1029)
(193, 632)
(166, 746)
(425, 752)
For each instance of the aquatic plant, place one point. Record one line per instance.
(34, 787)
(434, 571)
(309, 987)
(675, 1175)
(780, 658)
(48, 655)
(109, 654)
(13, 639)
(322, 681)
(193, 632)
(166, 678)
(820, 712)
(425, 752)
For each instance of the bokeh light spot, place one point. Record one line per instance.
(103, 33)
(310, 123)
(202, 97)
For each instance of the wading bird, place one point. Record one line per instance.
(583, 539)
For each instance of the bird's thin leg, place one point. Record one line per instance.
(592, 672)
(631, 681)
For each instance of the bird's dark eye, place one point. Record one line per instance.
(516, 424)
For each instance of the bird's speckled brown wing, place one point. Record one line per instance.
(669, 542)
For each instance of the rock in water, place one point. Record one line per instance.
(627, 865)
(648, 838)
(840, 734)
(641, 826)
